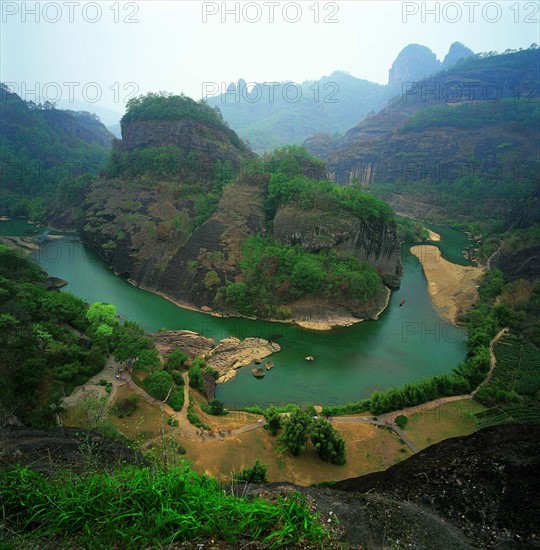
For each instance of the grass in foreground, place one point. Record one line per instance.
(146, 508)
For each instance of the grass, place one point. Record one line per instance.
(136, 508)
(448, 420)
(368, 449)
(144, 423)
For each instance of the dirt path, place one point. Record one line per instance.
(93, 387)
(188, 431)
(493, 360)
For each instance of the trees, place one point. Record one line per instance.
(273, 420)
(296, 429)
(330, 446)
(216, 407)
(253, 474)
(176, 360)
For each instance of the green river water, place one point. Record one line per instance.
(405, 345)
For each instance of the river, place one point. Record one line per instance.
(405, 345)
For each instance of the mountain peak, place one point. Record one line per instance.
(413, 63)
(456, 52)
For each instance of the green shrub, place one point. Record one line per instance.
(329, 445)
(176, 360)
(177, 377)
(254, 474)
(273, 420)
(126, 407)
(401, 421)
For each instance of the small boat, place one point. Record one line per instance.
(402, 303)
(258, 372)
(309, 358)
(269, 365)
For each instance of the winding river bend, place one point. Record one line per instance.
(405, 345)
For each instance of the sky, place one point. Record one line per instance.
(103, 53)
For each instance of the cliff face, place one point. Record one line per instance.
(374, 243)
(452, 125)
(130, 226)
(206, 141)
(178, 228)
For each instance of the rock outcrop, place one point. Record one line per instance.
(374, 243)
(402, 143)
(456, 53)
(413, 63)
(478, 491)
(225, 357)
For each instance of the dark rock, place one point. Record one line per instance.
(57, 448)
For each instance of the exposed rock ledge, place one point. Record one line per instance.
(226, 357)
(325, 316)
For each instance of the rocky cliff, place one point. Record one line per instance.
(471, 131)
(374, 243)
(178, 227)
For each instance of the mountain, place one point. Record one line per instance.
(413, 63)
(270, 115)
(185, 209)
(466, 138)
(456, 53)
(40, 147)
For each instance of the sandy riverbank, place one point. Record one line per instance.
(434, 236)
(452, 287)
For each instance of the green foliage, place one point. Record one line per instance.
(147, 507)
(158, 384)
(521, 115)
(131, 341)
(295, 431)
(410, 230)
(196, 380)
(401, 421)
(275, 274)
(324, 195)
(164, 106)
(194, 419)
(273, 420)
(42, 156)
(216, 407)
(126, 407)
(253, 474)
(330, 446)
(176, 360)
(177, 377)
(148, 360)
(46, 351)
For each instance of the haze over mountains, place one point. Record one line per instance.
(273, 114)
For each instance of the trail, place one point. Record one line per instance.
(186, 430)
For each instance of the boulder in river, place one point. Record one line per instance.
(258, 372)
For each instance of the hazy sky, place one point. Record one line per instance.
(135, 47)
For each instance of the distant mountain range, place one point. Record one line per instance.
(469, 133)
(268, 115)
